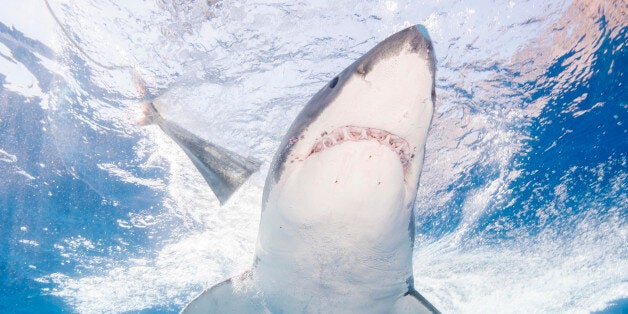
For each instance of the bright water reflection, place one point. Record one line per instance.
(522, 204)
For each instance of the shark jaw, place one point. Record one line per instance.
(352, 133)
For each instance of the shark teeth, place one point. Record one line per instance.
(356, 133)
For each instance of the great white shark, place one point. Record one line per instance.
(337, 230)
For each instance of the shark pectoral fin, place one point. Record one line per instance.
(413, 302)
(229, 296)
(224, 170)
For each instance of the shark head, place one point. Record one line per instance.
(382, 102)
(337, 205)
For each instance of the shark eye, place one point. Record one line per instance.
(333, 82)
(362, 69)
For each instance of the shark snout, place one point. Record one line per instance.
(419, 38)
(412, 40)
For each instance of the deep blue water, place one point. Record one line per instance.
(564, 146)
(70, 194)
(560, 145)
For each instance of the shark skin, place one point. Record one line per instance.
(337, 225)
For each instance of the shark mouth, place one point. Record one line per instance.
(396, 143)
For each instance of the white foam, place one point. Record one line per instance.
(7, 157)
(31, 18)
(579, 272)
(17, 77)
(127, 176)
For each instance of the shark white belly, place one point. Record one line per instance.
(337, 227)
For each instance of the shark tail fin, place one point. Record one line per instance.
(414, 302)
(229, 296)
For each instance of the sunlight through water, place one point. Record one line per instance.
(522, 204)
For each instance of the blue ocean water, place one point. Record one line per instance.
(523, 200)
(574, 161)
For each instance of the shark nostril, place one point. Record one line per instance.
(333, 82)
